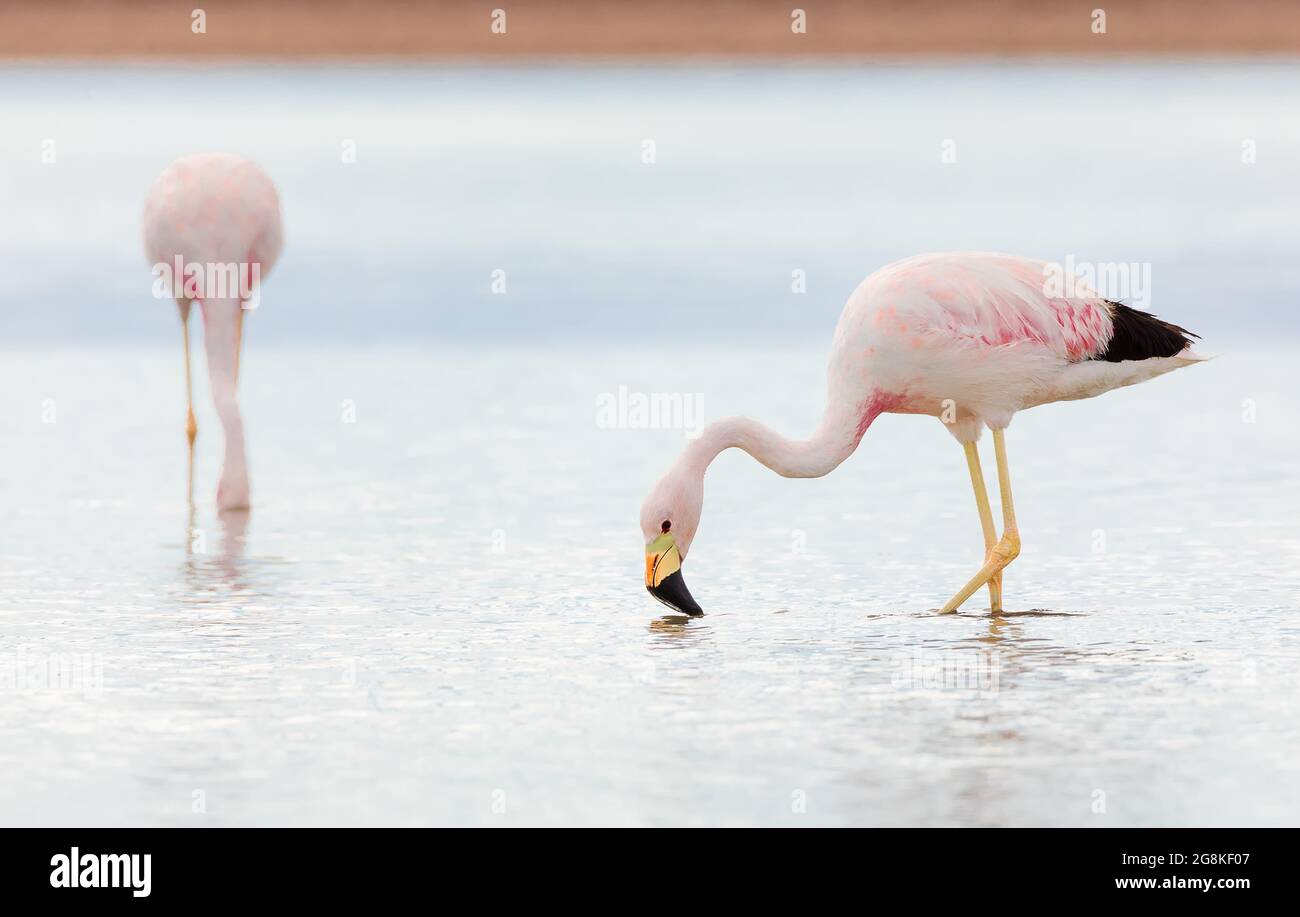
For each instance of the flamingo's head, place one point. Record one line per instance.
(669, 518)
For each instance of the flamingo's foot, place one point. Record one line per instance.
(232, 492)
(1004, 552)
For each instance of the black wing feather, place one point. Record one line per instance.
(1140, 336)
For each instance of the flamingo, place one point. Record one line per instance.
(214, 212)
(968, 337)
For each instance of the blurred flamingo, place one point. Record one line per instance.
(970, 338)
(208, 212)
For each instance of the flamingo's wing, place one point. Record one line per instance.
(986, 299)
(1138, 335)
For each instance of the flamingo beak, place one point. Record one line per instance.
(663, 576)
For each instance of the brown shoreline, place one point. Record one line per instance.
(431, 29)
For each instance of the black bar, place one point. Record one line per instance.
(303, 866)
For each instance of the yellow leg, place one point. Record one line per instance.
(1008, 546)
(986, 521)
(191, 428)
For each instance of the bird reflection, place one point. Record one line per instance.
(1005, 634)
(671, 625)
(234, 539)
(678, 630)
(225, 567)
(987, 731)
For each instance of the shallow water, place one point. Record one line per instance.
(435, 613)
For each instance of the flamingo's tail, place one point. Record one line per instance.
(222, 332)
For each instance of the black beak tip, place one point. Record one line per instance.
(673, 593)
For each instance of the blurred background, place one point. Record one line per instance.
(563, 169)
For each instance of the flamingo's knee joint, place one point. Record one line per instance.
(1006, 550)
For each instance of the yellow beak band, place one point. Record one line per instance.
(662, 559)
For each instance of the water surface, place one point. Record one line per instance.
(435, 613)
(441, 603)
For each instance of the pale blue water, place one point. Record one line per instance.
(435, 614)
(759, 171)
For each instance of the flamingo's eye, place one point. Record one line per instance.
(665, 525)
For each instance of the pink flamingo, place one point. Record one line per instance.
(970, 338)
(218, 215)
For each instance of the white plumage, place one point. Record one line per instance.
(968, 337)
(210, 211)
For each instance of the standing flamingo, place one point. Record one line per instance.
(219, 215)
(968, 337)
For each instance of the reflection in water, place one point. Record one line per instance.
(671, 630)
(363, 655)
(234, 539)
(225, 568)
(1014, 652)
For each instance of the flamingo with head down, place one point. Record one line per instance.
(215, 211)
(970, 338)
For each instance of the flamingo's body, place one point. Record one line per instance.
(217, 209)
(971, 338)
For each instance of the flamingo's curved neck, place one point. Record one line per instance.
(834, 440)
